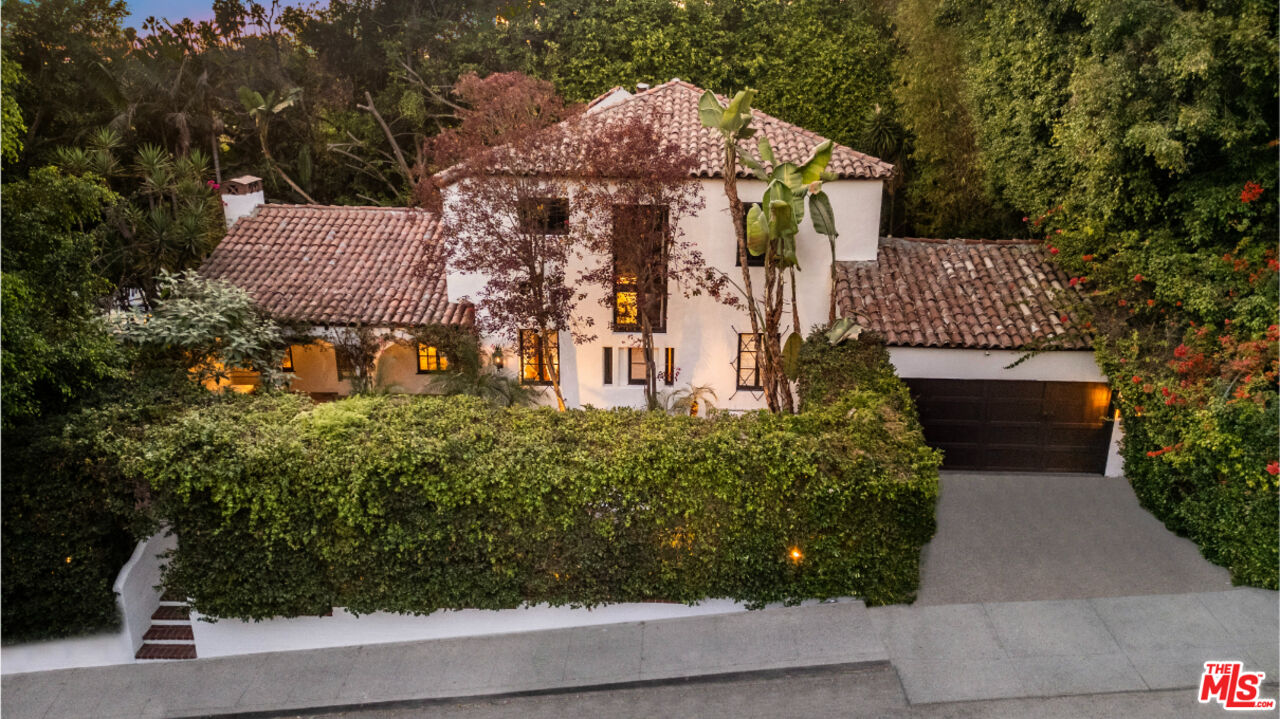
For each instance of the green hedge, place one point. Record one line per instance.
(414, 504)
(827, 370)
(1212, 491)
(70, 518)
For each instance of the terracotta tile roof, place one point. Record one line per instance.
(984, 294)
(336, 265)
(675, 105)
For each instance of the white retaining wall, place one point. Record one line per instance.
(228, 637)
(136, 599)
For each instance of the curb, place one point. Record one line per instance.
(810, 670)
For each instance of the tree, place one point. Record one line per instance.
(261, 109)
(633, 196)
(12, 128)
(206, 327)
(168, 217)
(770, 229)
(55, 349)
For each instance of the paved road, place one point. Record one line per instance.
(852, 694)
(1019, 537)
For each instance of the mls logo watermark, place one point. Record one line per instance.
(1231, 686)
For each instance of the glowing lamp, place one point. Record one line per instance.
(795, 554)
(497, 358)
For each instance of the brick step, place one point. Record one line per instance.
(166, 651)
(169, 632)
(170, 612)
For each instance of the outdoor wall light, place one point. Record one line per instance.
(497, 358)
(796, 556)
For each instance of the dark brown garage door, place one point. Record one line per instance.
(1016, 426)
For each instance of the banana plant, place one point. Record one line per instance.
(774, 222)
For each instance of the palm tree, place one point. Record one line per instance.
(262, 108)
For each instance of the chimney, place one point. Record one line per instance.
(241, 196)
(642, 86)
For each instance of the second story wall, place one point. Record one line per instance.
(702, 332)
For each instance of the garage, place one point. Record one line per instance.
(1005, 425)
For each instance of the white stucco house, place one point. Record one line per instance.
(956, 314)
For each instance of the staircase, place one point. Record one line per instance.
(169, 636)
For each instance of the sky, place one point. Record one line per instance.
(174, 10)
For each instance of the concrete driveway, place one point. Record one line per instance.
(1006, 537)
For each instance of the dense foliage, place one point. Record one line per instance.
(70, 517)
(413, 504)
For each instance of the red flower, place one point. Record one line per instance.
(1087, 258)
(1181, 351)
(1151, 303)
(1273, 468)
(1165, 391)
(1073, 281)
(1137, 379)
(1137, 278)
(1251, 192)
(1024, 219)
(1064, 319)
(1053, 250)
(1123, 303)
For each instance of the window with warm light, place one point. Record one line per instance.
(534, 368)
(749, 362)
(431, 359)
(640, 241)
(544, 215)
(286, 365)
(669, 367)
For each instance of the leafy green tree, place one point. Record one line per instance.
(55, 349)
(208, 327)
(168, 217)
(12, 127)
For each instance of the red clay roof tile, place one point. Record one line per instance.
(983, 294)
(330, 264)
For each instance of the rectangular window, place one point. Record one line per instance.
(752, 260)
(286, 365)
(640, 237)
(637, 370)
(431, 359)
(544, 215)
(669, 367)
(608, 365)
(533, 369)
(749, 361)
(346, 369)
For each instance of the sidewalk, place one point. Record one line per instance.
(942, 653)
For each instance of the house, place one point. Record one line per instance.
(335, 270)
(958, 315)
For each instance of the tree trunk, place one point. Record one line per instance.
(740, 232)
(262, 137)
(552, 370)
(650, 370)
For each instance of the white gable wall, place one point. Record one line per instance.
(702, 330)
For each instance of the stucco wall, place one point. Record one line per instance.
(702, 331)
(136, 600)
(315, 369)
(941, 363)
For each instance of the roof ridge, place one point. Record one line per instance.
(963, 240)
(317, 206)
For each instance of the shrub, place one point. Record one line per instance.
(70, 518)
(827, 370)
(414, 504)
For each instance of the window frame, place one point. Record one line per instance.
(343, 373)
(659, 324)
(752, 260)
(631, 367)
(755, 355)
(529, 338)
(669, 366)
(554, 222)
(441, 359)
(608, 365)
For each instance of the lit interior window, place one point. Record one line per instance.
(431, 359)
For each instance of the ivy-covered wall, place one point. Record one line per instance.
(414, 504)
